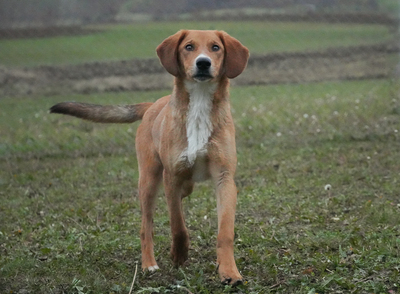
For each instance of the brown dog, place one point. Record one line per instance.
(184, 138)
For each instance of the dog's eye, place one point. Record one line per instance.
(215, 48)
(189, 47)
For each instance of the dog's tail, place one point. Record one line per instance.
(103, 113)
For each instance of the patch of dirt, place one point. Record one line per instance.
(348, 63)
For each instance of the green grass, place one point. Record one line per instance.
(139, 40)
(70, 217)
(390, 6)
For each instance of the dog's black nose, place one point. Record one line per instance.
(203, 63)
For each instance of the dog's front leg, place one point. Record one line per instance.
(175, 190)
(226, 206)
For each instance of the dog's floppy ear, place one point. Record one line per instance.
(236, 55)
(167, 51)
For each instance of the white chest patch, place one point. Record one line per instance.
(198, 124)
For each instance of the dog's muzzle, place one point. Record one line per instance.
(203, 69)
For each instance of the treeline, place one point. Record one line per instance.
(46, 13)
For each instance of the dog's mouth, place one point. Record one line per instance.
(202, 76)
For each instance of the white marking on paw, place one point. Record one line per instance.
(153, 268)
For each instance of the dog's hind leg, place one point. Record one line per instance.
(149, 180)
(175, 190)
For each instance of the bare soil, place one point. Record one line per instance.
(348, 63)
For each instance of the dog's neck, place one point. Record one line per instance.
(198, 119)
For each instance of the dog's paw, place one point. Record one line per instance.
(232, 282)
(179, 256)
(153, 268)
(180, 249)
(150, 267)
(230, 276)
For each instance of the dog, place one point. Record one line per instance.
(186, 137)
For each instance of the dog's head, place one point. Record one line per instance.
(203, 55)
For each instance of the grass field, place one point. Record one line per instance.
(70, 217)
(115, 42)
